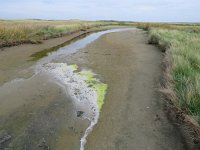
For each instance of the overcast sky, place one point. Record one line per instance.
(133, 10)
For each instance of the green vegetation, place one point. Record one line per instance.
(89, 75)
(74, 67)
(101, 92)
(99, 87)
(182, 45)
(93, 82)
(181, 40)
(177, 26)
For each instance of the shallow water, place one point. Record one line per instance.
(74, 47)
(40, 112)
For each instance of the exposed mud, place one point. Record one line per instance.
(132, 116)
(54, 108)
(15, 61)
(39, 113)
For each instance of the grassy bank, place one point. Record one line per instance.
(15, 32)
(182, 45)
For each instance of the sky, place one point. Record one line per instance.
(130, 10)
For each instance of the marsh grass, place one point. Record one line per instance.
(15, 32)
(192, 27)
(183, 46)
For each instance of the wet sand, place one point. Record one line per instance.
(132, 116)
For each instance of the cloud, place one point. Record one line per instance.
(141, 10)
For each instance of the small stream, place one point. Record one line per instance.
(75, 46)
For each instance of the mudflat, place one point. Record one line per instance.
(132, 116)
(38, 113)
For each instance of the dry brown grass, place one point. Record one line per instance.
(14, 32)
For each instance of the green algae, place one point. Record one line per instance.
(99, 87)
(101, 92)
(88, 74)
(74, 67)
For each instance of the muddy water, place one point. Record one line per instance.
(39, 112)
